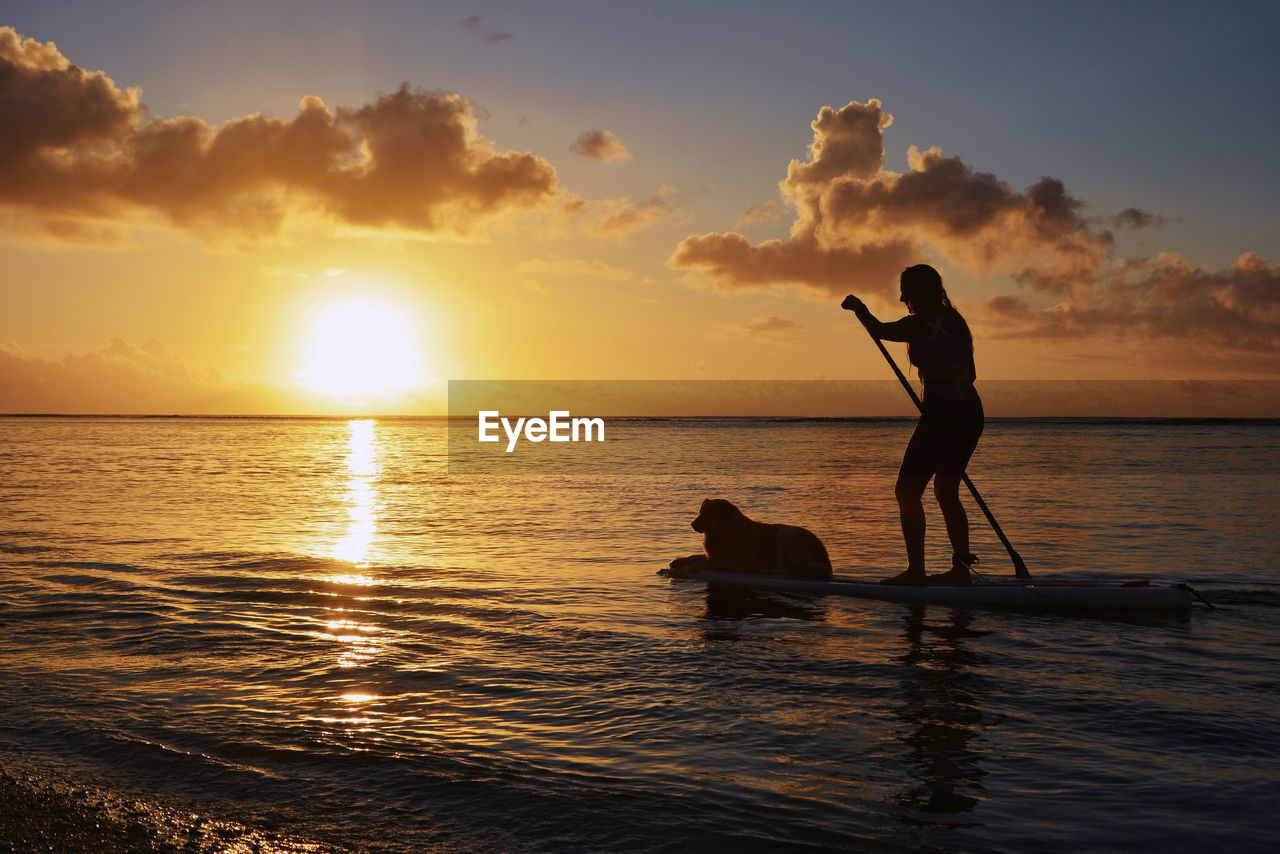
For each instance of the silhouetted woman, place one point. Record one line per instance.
(940, 346)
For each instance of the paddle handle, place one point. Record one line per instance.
(1019, 566)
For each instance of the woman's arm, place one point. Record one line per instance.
(897, 330)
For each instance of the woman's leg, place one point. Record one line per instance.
(918, 464)
(908, 490)
(946, 488)
(956, 451)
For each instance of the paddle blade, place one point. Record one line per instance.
(1019, 566)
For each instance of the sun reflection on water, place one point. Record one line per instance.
(361, 495)
(360, 643)
(355, 579)
(358, 698)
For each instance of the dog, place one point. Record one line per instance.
(736, 543)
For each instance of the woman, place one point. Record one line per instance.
(940, 346)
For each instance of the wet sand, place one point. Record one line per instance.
(44, 814)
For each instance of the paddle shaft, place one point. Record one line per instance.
(1019, 566)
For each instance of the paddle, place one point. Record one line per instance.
(1019, 567)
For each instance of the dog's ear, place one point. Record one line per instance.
(702, 515)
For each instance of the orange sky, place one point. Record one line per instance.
(352, 256)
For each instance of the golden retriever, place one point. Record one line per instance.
(735, 543)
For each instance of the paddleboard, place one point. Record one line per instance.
(1022, 594)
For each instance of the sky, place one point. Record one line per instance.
(322, 207)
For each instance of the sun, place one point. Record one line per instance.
(360, 347)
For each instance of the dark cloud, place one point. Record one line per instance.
(1008, 307)
(851, 209)
(80, 158)
(1235, 310)
(857, 225)
(476, 24)
(600, 145)
(1135, 219)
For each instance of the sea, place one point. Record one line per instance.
(323, 624)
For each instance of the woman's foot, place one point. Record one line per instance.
(959, 571)
(907, 578)
(954, 575)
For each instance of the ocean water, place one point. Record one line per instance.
(314, 622)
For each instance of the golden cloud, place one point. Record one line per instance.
(574, 267)
(80, 159)
(600, 145)
(120, 378)
(125, 379)
(731, 260)
(768, 212)
(623, 216)
(768, 324)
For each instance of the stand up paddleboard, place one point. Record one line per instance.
(1021, 594)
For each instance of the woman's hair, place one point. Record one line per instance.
(923, 286)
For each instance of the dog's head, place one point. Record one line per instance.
(714, 515)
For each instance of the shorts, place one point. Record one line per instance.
(945, 438)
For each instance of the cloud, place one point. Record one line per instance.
(768, 212)
(732, 261)
(1008, 307)
(120, 378)
(125, 379)
(283, 271)
(849, 207)
(600, 145)
(1234, 311)
(1135, 219)
(767, 324)
(622, 216)
(576, 267)
(560, 269)
(81, 160)
(476, 24)
(857, 225)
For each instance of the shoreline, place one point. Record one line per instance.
(40, 812)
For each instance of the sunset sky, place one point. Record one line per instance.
(324, 207)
